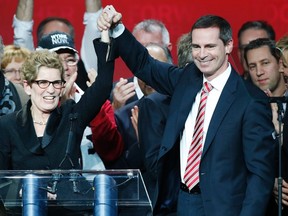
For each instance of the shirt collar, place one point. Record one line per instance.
(219, 82)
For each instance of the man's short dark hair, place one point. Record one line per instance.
(50, 19)
(260, 42)
(257, 25)
(215, 21)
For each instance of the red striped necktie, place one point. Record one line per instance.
(191, 176)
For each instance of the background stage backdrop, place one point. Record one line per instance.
(178, 16)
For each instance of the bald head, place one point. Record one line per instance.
(161, 53)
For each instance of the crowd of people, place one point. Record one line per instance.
(206, 139)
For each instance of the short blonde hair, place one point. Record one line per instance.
(37, 59)
(13, 52)
(282, 44)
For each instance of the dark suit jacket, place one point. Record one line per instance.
(285, 147)
(285, 154)
(153, 113)
(20, 148)
(237, 165)
(130, 158)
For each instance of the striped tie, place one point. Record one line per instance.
(191, 176)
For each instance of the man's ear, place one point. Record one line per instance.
(229, 47)
(27, 87)
(281, 65)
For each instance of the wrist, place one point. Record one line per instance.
(117, 30)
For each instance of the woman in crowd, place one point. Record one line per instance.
(13, 58)
(36, 137)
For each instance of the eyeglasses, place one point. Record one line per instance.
(70, 61)
(242, 47)
(57, 84)
(10, 71)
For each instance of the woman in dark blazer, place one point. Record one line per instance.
(37, 137)
(44, 135)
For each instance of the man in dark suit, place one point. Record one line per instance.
(130, 158)
(235, 173)
(153, 113)
(265, 68)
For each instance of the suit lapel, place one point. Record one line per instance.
(225, 101)
(180, 106)
(27, 131)
(26, 128)
(187, 100)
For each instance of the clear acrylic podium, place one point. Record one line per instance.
(74, 192)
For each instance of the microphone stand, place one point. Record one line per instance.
(280, 179)
(73, 175)
(72, 118)
(279, 101)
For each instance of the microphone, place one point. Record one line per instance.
(73, 178)
(283, 99)
(55, 179)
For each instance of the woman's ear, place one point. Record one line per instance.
(27, 87)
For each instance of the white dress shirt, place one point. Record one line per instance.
(218, 84)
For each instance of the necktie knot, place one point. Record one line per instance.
(207, 87)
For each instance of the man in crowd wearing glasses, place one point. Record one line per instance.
(63, 45)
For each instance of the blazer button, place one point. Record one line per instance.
(202, 173)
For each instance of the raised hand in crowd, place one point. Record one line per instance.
(69, 88)
(122, 91)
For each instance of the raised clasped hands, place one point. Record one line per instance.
(109, 18)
